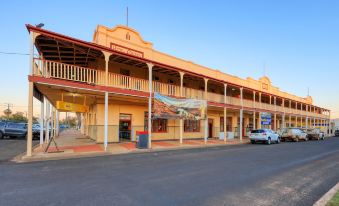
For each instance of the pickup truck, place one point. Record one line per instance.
(316, 134)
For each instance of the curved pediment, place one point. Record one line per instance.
(122, 33)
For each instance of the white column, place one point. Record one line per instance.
(106, 122)
(30, 97)
(47, 121)
(107, 55)
(42, 116)
(225, 112)
(57, 122)
(30, 119)
(275, 113)
(82, 123)
(254, 127)
(241, 114)
(259, 125)
(150, 68)
(206, 120)
(182, 95)
(314, 123)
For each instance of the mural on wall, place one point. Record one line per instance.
(171, 108)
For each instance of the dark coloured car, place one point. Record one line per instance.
(13, 129)
(336, 133)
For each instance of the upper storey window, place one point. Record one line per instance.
(128, 36)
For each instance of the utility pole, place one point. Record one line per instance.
(7, 111)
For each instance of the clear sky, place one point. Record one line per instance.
(297, 40)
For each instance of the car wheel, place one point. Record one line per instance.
(1, 135)
(296, 139)
(306, 139)
(278, 140)
(269, 141)
(252, 141)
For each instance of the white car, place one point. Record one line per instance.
(264, 135)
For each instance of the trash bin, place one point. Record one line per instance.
(142, 140)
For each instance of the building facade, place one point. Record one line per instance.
(115, 76)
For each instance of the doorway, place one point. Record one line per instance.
(210, 128)
(125, 125)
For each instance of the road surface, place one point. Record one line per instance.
(284, 174)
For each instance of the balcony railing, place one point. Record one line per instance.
(51, 69)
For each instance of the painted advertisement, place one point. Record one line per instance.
(171, 108)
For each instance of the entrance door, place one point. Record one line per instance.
(125, 127)
(210, 128)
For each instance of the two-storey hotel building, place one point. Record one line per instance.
(115, 77)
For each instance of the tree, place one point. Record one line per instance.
(17, 117)
(71, 121)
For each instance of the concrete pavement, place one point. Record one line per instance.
(285, 174)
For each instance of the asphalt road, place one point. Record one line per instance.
(9, 148)
(285, 174)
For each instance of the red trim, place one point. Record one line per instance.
(100, 47)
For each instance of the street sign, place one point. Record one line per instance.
(266, 118)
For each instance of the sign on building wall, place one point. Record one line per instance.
(71, 107)
(266, 118)
(171, 108)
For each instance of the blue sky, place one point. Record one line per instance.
(297, 40)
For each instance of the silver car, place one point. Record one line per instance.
(294, 134)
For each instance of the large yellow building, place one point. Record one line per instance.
(110, 81)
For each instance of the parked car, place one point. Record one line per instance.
(315, 133)
(13, 129)
(2, 129)
(336, 133)
(264, 135)
(36, 131)
(294, 134)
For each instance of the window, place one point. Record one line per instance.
(158, 125)
(192, 126)
(228, 124)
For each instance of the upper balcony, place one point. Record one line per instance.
(57, 70)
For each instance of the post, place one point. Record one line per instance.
(225, 112)
(241, 113)
(275, 122)
(57, 122)
(206, 120)
(42, 115)
(283, 121)
(253, 111)
(329, 122)
(30, 96)
(313, 122)
(47, 121)
(290, 121)
(107, 55)
(106, 122)
(259, 125)
(150, 68)
(182, 95)
(30, 119)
